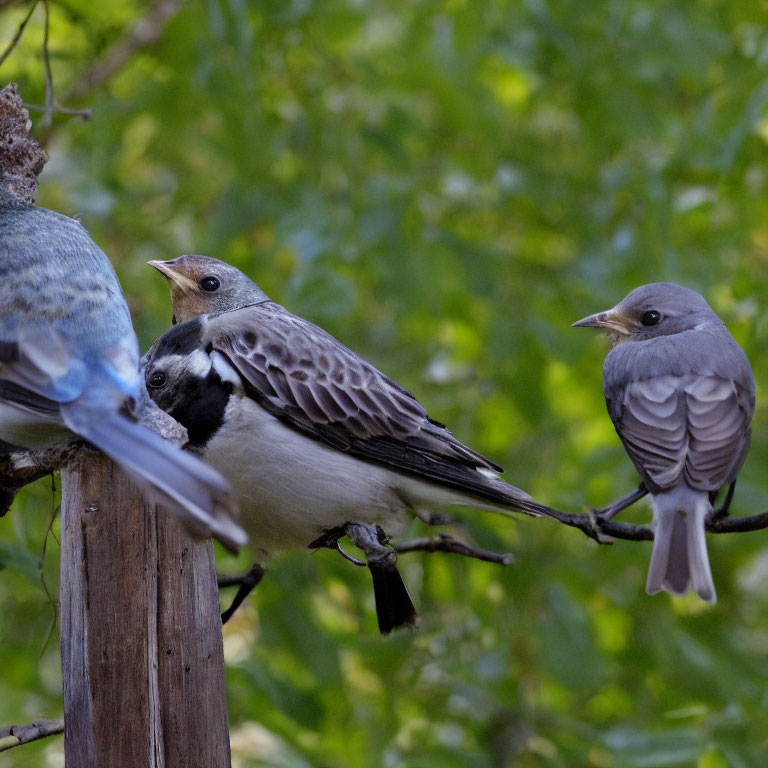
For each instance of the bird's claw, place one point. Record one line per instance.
(349, 557)
(595, 526)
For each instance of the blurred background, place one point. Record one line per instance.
(444, 186)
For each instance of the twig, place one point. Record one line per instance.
(45, 54)
(445, 543)
(85, 114)
(142, 33)
(19, 32)
(14, 735)
(738, 524)
(41, 565)
(604, 531)
(50, 107)
(21, 468)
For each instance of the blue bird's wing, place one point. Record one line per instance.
(69, 356)
(179, 480)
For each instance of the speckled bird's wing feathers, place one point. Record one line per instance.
(675, 426)
(312, 382)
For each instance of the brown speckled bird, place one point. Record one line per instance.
(310, 435)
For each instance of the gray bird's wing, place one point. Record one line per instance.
(314, 384)
(696, 427)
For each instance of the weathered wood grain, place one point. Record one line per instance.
(141, 648)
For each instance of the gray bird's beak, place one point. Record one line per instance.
(593, 321)
(611, 320)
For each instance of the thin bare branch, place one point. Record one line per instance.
(604, 531)
(20, 468)
(46, 56)
(85, 114)
(15, 735)
(445, 543)
(738, 524)
(19, 32)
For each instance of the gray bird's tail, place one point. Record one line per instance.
(191, 489)
(679, 561)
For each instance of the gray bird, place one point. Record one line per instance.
(681, 395)
(310, 435)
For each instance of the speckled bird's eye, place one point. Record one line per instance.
(651, 317)
(210, 283)
(157, 379)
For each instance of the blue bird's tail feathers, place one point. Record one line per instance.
(679, 561)
(186, 485)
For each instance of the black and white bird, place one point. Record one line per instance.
(681, 394)
(310, 435)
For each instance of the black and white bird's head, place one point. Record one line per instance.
(186, 382)
(202, 285)
(656, 309)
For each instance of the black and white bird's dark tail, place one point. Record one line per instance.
(679, 561)
(187, 486)
(394, 607)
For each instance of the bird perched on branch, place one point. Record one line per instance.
(69, 365)
(69, 359)
(310, 435)
(681, 395)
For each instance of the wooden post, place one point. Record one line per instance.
(141, 648)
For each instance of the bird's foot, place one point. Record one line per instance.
(368, 537)
(724, 509)
(611, 510)
(247, 582)
(595, 527)
(394, 607)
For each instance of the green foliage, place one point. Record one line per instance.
(445, 186)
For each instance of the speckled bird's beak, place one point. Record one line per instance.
(168, 271)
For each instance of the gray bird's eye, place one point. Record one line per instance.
(210, 283)
(156, 380)
(651, 317)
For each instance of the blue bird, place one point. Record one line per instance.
(69, 365)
